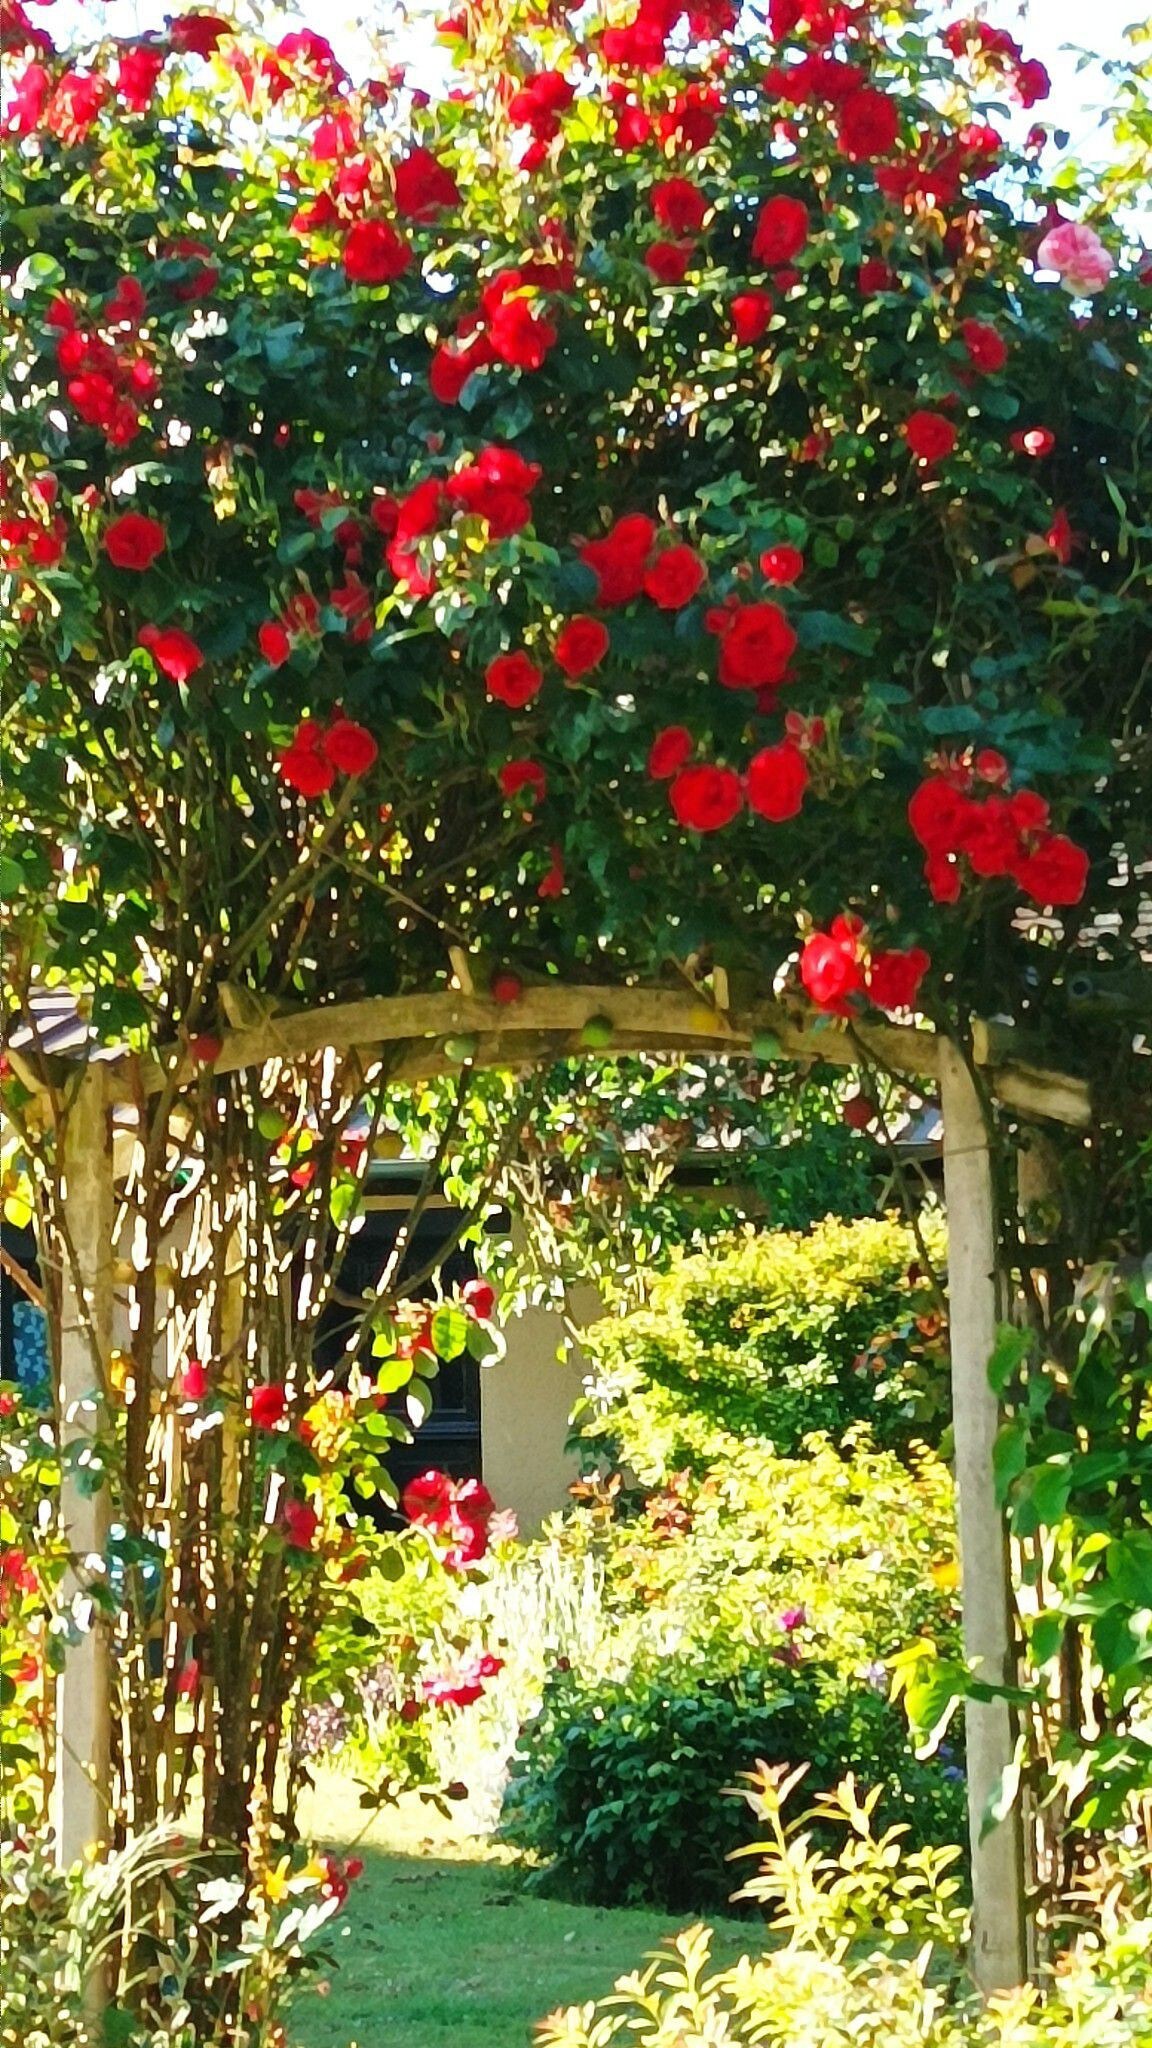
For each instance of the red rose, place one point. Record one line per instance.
(938, 814)
(274, 643)
(618, 560)
(199, 34)
(990, 839)
(669, 751)
(1034, 441)
(1028, 810)
(133, 541)
(756, 647)
(1060, 537)
(303, 766)
(751, 313)
(424, 186)
(679, 206)
(374, 253)
(74, 105)
(776, 780)
(987, 349)
(519, 335)
(523, 778)
(299, 1523)
(781, 231)
(349, 747)
(674, 578)
(267, 1406)
(1055, 873)
(942, 874)
(669, 261)
(452, 366)
(513, 679)
(505, 987)
(551, 884)
(479, 1296)
(831, 972)
(581, 646)
(193, 1381)
(894, 978)
(929, 435)
(175, 653)
(428, 1498)
(869, 125)
(136, 75)
(705, 798)
(874, 275)
(782, 564)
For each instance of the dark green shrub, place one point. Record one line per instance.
(618, 1787)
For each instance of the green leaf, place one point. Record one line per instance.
(450, 1325)
(1011, 1349)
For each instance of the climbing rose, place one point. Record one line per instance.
(1060, 537)
(374, 253)
(1079, 256)
(428, 1498)
(894, 978)
(74, 105)
(929, 435)
(523, 778)
(133, 541)
(267, 1406)
(874, 275)
(194, 1381)
(669, 751)
(756, 647)
(552, 883)
(424, 186)
(274, 643)
(776, 780)
(175, 653)
(781, 231)
(705, 798)
(199, 34)
(303, 765)
(987, 350)
(669, 261)
(581, 646)
(136, 75)
(674, 578)
(782, 564)
(830, 967)
(679, 206)
(350, 747)
(751, 313)
(1055, 873)
(299, 1522)
(513, 679)
(519, 335)
(936, 813)
(479, 1298)
(618, 560)
(869, 125)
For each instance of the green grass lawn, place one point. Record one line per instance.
(438, 1948)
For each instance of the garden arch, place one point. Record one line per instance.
(552, 1022)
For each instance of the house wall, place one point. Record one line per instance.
(525, 1401)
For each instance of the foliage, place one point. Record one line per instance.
(776, 1336)
(616, 1787)
(872, 1957)
(60, 1933)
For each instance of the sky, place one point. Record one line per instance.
(1042, 26)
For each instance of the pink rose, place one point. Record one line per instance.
(1079, 255)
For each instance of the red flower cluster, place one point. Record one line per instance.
(311, 763)
(512, 325)
(537, 105)
(138, 67)
(36, 540)
(627, 563)
(464, 1685)
(456, 1513)
(964, 812)
(495, 487)
(999, 55)
(838, 965)
(107, 377)
(680, 207)
(424, 186)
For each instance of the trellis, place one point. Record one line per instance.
(413, 1035)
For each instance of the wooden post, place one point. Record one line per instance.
(999, 1946)
(81, 1791)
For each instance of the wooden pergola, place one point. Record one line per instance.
(549, 1023)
